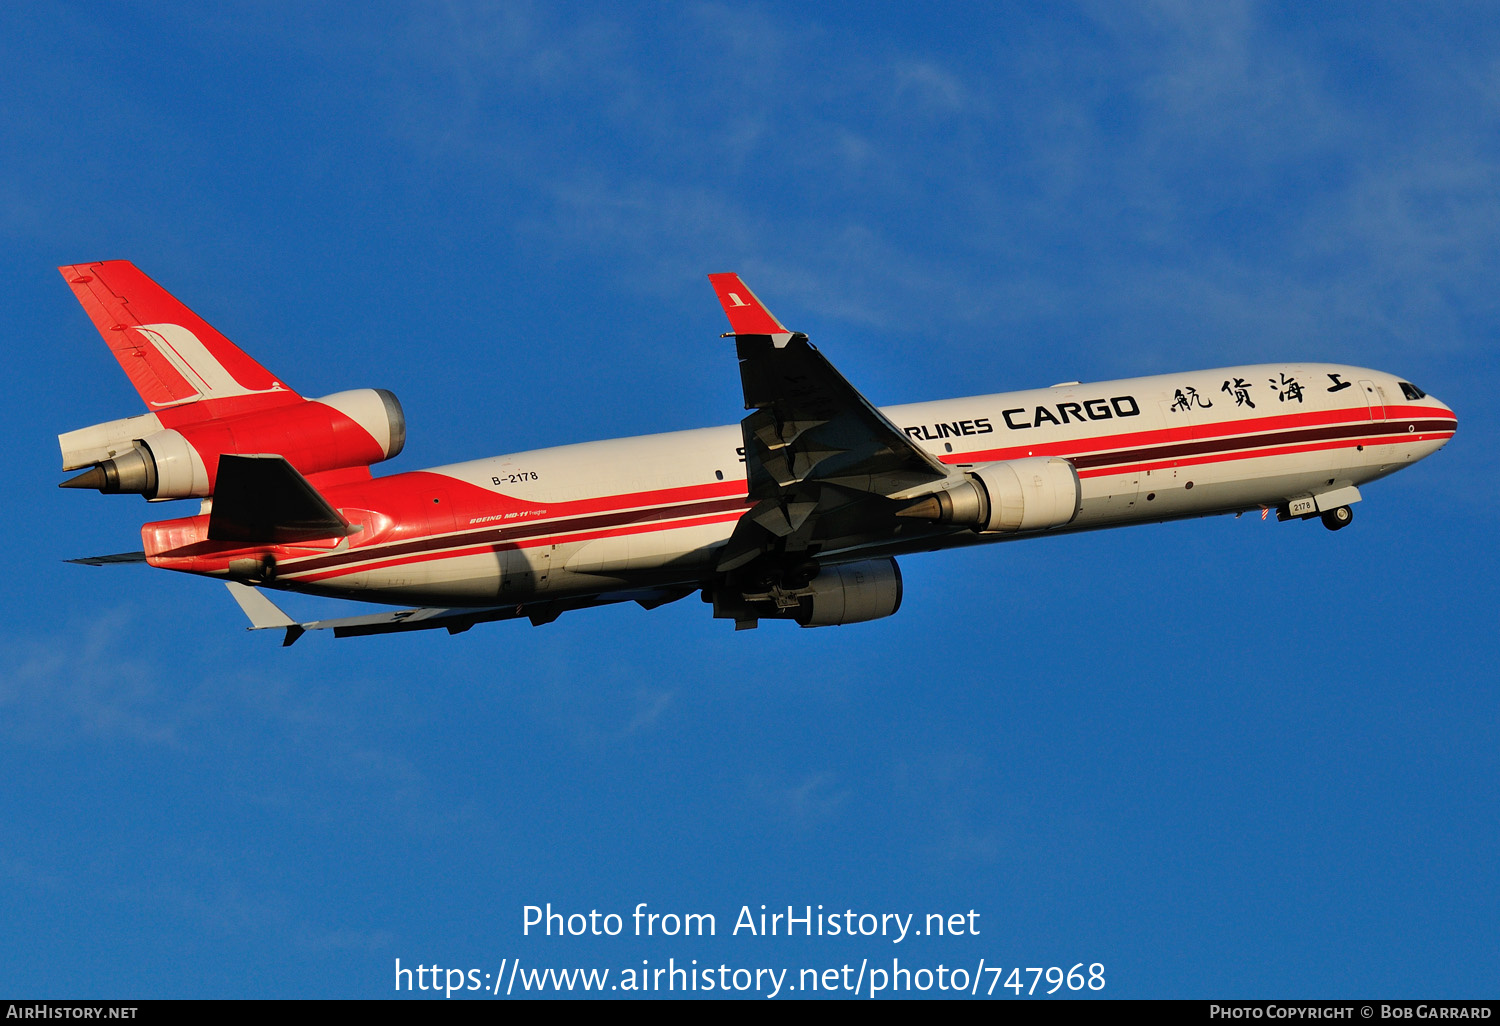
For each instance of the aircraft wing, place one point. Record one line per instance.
(826, 469)
(265, 614)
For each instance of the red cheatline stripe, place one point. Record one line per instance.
(646, 500)
(479, 550)
(1270, 445)
(1173, 447)
(1250, 454)
(515, 532)
(1181, 446)
(1085, 452)
(1098, 444)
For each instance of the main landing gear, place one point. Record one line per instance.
(1338, 518)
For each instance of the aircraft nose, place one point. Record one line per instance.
(1449, 411)
(1447, 423)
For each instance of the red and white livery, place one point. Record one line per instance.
(796, 513)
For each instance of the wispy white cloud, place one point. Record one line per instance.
(960, 825)
(652, 702)
(809, 801)
(1174, 180)
(103, 680)
(933, 88)
(313, 939)
(90, 682)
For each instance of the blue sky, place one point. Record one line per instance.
(1221, 758)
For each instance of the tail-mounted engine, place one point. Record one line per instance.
(1035, 494)
(140, 456)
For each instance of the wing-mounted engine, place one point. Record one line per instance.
(1012, 496)
(851, 593)
(142, 456)
(821, 597)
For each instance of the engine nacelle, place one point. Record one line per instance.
(346, 429)
(163, 464)
(1034, 494)
(851, 593)
(378, 412)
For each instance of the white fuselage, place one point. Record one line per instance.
(613, 514)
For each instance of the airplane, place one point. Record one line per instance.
(797, 513)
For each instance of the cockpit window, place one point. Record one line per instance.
(1411, 391)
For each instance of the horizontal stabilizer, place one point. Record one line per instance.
(264, 499)
(118, 557)
(262, 612)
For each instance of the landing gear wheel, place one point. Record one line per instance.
(1338, 519)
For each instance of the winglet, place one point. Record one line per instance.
(747, 314)
(262, 612)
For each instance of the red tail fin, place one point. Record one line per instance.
(172, 356)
